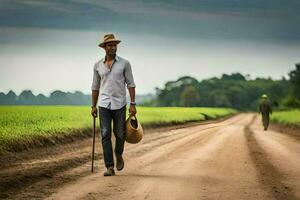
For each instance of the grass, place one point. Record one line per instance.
(175, 115)
(26, 123)
(290, 117)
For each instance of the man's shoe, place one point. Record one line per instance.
(109, 172)
(120, 162)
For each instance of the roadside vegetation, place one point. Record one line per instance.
(289, 117)
(28, 125)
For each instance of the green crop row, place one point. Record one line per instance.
(24, 123)
(291, 117)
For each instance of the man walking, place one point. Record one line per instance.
(111, 76)
(265, 110)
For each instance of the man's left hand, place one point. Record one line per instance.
(132, 110)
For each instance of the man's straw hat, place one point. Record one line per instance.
(108, 38)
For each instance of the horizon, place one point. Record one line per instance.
(47, 94)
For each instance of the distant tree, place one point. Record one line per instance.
(78, 98)
(189, 97)
(26, 98)
(291, 102)
(295, 81)
(170, 94)
(10, 98)
(2, 98)
(41, 99)
(234, 90)
(238, 96)
(58, 97)
(218, 98)
(234, 76)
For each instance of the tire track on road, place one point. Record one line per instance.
(269, 176)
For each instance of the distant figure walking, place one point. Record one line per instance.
(265, 110)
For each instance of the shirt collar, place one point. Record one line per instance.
(116, 59)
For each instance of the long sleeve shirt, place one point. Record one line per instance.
(112, 82)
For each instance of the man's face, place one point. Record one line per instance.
(111, 48)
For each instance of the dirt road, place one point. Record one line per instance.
(231, 159)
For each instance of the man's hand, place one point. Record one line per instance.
(132, 110)
(94, 112)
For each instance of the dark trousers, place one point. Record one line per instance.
(118, 118)
(265, 120)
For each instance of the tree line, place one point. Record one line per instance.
(234, 90)
(230, 90)
(57, 97)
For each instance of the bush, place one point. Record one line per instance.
(291, 102)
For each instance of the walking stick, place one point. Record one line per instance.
(94, 134)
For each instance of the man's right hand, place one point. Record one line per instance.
(94, 112)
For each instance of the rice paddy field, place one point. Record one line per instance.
(27, 123)
(291, 117)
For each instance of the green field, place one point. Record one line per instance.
(291, 117)
(26, 123)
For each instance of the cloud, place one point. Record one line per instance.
(274, 20)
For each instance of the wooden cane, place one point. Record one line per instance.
(94, 135)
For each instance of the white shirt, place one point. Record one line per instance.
(112, 82)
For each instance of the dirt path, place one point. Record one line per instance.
(232, 159)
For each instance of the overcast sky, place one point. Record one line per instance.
(51, 44)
